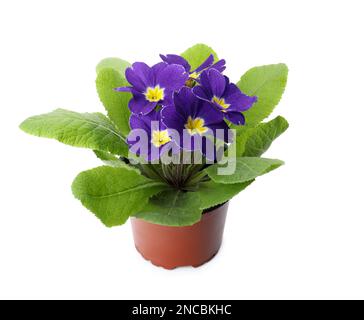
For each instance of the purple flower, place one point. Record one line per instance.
(149, 137)
(152, 86)
(194, 120)
(194, 74)
(225, 96)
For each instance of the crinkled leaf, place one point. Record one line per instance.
(197, 54)
(115, 103)
(261, 137)
(117, 64)
(113, 194)
(172, 208)
(87, 130)
(268, 84)
(247, 168)
(212, 194)
(254, 141)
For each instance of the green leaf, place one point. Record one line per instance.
(87, 130)
(117, 64)
(261, 137)
(241, 136)
(198, 54)
(268, 84)
(247, 168)
(253, 142)
(212, 193)
(172, 208)
(105, 156)
(113, 194)
(115, 103)
(114, 161)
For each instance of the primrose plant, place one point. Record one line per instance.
(179, 137)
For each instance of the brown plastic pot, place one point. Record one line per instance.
(171, 247)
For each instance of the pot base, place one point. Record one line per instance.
(170, 267)
(172, 247)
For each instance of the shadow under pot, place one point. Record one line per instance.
(172, 247)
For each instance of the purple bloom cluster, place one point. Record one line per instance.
(179, 108)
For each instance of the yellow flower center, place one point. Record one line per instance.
(194, 75)
(191, 81)
(195, 126)
(159, 138)
(221, 102)
(154, 94)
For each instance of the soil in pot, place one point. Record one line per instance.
(171, 247)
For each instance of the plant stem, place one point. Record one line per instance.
(195, 179)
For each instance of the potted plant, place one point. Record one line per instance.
(178, 142)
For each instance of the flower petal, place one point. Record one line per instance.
(139, 76)
(205, 84)
(217, 82)
(137, 122)
(219, 65)
(207, 63)
(156, 69)
(209, 113)
(124, 89)
(172, 77)
(168, 97)
(139, 105)
(172, 119)
(221, 126)
(202, 93)
(235, 117)
(184, 102)
(238, 101)
(176, 59)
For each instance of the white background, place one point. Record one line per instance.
(295, 233)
